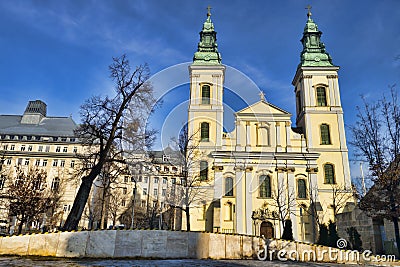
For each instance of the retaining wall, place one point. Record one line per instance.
(164, 244)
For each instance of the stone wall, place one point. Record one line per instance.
(161, 244)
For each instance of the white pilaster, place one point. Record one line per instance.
(248, 136)
(240, 209)
(249, 203)
(288, 142)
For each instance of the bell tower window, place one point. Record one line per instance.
(203, 170)
(321, 97)
(329, 173)
(204, 131)
(205, 94)
(325, 134)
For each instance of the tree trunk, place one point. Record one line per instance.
(396, 232)
(187, 218)
(20, 227)
(79, 203)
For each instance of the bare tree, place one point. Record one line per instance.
(340, 198)
(284, 202)
(376, 136)
(30, 197)
(190, 189)
(109, 125)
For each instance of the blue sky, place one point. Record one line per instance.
(58, 51)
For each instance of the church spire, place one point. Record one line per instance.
(207, 49)
(314, 53)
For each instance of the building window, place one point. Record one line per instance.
(329, 173)
(64, 139)
(265, 186)
(40, 148)
(203, 170)
(321, 96)
(165, 158)
(58, 149)
(155, 192)
(12, 147)
(47, 148)
(126, 178)
(204, 131)
(301, 188)
(72, 163)
(145, 180)
(125, 190)
(229, 187)
(173, 180)
(75, 149)
(123, 203)
(164, 181)
(44, 163)
(9, 161)
(164, 192)
(55, 184)
(26, 162)
(325, 134)
(62, 163)
(23, 148)
(55, 163)
(205, 94)
(2, 181)
(5, 147)
(65, 149)
(29, 148)
(144, 191)
(156, 180)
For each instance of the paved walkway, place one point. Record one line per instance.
(47, 262)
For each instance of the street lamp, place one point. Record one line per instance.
(133, 203)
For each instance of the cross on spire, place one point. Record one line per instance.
(208, 11)
(262, 95)
(308, 7)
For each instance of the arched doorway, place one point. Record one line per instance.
(267, 230)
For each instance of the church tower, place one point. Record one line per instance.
(205, 120)
(319, 114)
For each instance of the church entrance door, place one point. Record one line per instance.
(267, 230)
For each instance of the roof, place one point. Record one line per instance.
(47, 126)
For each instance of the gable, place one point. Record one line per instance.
(263, 108)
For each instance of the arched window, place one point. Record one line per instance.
(229, 187)
(321, 96)
(329, 173)
(55, 184)
(325, 134)
(265, 186)
(203, 170)
(204, 131)
(301, 188)
(205, 94)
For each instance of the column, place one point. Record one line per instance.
(288, 142)
(278, 137)
(240, 192)
(248, 136)
(292, 193)
(238, 135)
(249, 201)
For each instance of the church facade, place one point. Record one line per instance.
(267, 170)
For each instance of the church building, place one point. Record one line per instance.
(267, 170)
